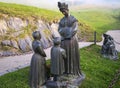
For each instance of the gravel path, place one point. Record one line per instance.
(12, 63)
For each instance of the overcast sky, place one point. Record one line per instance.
(53, 3)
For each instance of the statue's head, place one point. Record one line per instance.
(105, 35)
(63, 7)
(36, 35)
(57, 41)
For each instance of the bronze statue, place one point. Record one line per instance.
(58, 56)
(108, 48)
(38, 63)
(68, 28)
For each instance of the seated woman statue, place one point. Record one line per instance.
(38, 63)
(108, 47)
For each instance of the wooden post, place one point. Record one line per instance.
(95, 37)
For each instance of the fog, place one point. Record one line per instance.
(52, 4)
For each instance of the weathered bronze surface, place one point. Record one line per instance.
(108, 48)
(68, 28)
(38, 63)
(58, 56)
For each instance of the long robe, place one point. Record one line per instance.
(68, 29)
(37, 66)
(57, 60)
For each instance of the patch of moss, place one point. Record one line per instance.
(6, 48)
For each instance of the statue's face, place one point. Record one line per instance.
(65, 12)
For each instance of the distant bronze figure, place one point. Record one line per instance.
(108, 48)
(38, 63)
(68, 28)
(58, 56)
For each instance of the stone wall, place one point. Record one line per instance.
(16, 33)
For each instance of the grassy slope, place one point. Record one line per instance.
(99, 71)
(100, 20)
(34, 13)
(23, 11)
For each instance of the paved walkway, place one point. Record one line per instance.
(12, 63)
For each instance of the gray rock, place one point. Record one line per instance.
(14, 44)
(25, 44)
(8, 53)
(41, 25)
(15, 23)
(6, 43)
(44, 40)
(3, 27)
(54, 30)
(29, 42)
(22, 44)
(11, 43)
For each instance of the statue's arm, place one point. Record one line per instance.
(74, 27)
(41, 51)
(60, 29)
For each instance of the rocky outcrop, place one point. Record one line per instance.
(17, 33)
(16, 23)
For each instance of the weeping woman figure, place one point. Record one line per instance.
(38, 64)
(68, 29)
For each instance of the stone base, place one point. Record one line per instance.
(55, 84)
(66, 82)
(111, 57)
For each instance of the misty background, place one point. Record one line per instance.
(52, 4)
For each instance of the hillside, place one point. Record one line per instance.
(17, 22)
(100, 20)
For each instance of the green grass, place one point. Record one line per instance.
(27, 12)
(18, 79)
(101, 20)
(99, 71)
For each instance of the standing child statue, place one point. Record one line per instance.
(57, 59)
(38, 63)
